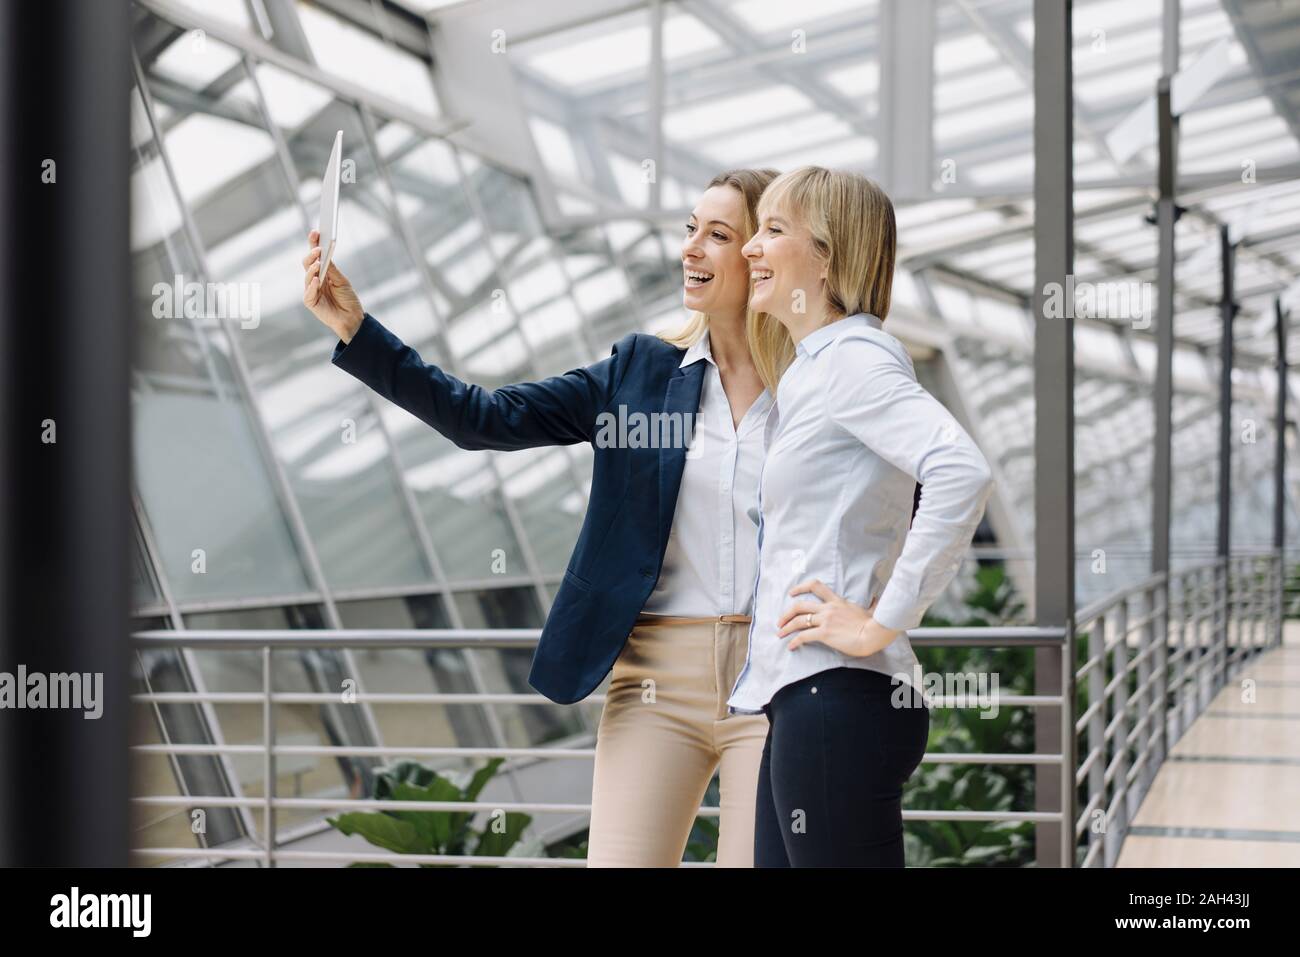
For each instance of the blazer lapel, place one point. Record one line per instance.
(683, 396)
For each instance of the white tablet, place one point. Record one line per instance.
(329, 206)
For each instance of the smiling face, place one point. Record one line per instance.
(715, 276)
(788, 276)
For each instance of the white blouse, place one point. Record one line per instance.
(851, 433)
(712, 554)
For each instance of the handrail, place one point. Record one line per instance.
(234, 638)
(498, 638)
(1139, 658)
(1105, 602)
(280, 639)
(1126, 683)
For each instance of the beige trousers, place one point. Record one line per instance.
(663, 732)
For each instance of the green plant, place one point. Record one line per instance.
(432, 832)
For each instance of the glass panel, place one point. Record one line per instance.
(506, 671)
(550, 507)
(365, 59)
(195, 438)
(320, 421)
(306, 670)
(602, 286)
(413, 670)
(461, 501)
(457, 490)
(234, 12)
(163, 670)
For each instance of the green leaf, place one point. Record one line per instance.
(381, 830)
(481, 777)
(495, 844)
(436, 828)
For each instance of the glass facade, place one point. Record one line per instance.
(272, 490)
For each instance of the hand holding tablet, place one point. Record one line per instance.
(326, 291)
(329, 205)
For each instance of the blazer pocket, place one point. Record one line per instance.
(577, 580)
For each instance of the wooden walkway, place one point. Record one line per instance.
(1229, 793)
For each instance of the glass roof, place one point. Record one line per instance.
(527, 245)
(757, 83)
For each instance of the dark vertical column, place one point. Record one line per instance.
(1279, 463)
(64, 424)
(1227, 310)
(1166, 215)
(1054, 418)
(1223, 543)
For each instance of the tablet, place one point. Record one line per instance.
(329, 206)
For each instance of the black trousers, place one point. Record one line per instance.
(830, 786)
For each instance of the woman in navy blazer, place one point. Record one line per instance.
(619, 554)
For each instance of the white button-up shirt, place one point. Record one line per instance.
(712, 553)
(850, 434)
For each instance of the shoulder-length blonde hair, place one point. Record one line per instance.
(853, 230)
(764, 334)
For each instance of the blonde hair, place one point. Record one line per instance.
(852, 225)
(764, 334)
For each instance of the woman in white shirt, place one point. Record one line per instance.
(665, 726)
(841, 577)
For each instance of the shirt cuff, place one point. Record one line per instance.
(895, 613)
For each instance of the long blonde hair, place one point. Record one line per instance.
(853, 230)
(764, 334)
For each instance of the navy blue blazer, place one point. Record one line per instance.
(620, 550)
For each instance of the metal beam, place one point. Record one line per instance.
(1279, 466)
(241, 40)
(905, 154)
(1005, 40)
(745, 41)
(656, 119)
(397, 25)
(1166, 214)
(286, 30)
(1054, 422)
(1227, 310)
(1245, 17)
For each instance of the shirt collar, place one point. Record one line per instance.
(700, 349)
(818, 339)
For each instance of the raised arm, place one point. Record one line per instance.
(875, 396)
(561, 410)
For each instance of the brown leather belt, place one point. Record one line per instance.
(675, 620)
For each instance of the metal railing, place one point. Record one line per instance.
(1140, 692)
(1157, 653)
